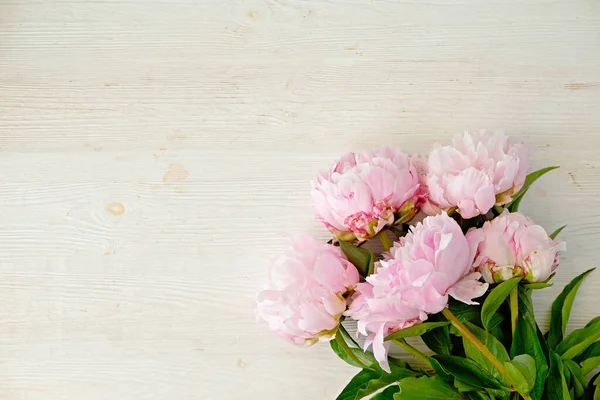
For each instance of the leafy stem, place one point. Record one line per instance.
(413, 351)
(467, 334)
(473, 339)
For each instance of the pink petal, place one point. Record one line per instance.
(380, 351)
(468, 288)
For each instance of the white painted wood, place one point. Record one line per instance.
(154, 154)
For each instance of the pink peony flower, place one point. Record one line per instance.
(430, 263)
(306, 294)
(479, 171)
(366, 191)
(512, 245)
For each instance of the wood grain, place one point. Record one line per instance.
(155, 154)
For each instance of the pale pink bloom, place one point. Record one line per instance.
(478, 171)
(427, 206)
(366, 191)
(307, 290)
(430, 263)
(512, 245)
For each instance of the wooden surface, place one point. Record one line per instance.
(155, 154)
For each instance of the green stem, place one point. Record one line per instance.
(414, 352)
(467, 334)
(385, 240)
(514, 308)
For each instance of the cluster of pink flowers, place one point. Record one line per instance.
(313, 286)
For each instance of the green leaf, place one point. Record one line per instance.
(592, 322)
(591, 390)
(556, 388)
(577, 380)
(493, 345)
(367, 382)
(567, 373)
(526, 364)
(526, 305)
(499, 394)
(468, 371)
(538, 285)
(387, 394)
(590, 364)
(578, 340)
(439, 371)
(543, 344)
(462, 386)
(360, 257)
(396, 363)
(531, 178)
(495, 299)
(478, 395)
(554, 234)
(343, 354)
(465, 312)
(517, 379)
(416, 330)
(354, 356)
(590, 358)
(521, 372)
(438, 340)
(495, 321)
(499, 333)
(561, 310)
(526, 341)
(426, 388)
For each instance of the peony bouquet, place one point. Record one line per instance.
(458, 269)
